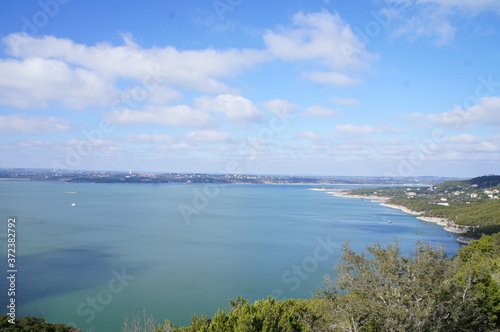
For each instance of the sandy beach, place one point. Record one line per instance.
(345, 193)
(403, 208)
(439, 221)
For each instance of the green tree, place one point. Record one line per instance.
(473, 284)
(32, 324)
(388, 291)
(267, 315)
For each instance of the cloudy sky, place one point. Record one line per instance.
(317, 87)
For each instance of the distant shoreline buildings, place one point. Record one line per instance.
(81, 176)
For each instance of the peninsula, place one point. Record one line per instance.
(467, 207)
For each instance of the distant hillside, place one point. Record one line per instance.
(481, 182)
(487, 181)
(472, 205)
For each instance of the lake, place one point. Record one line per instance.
(94, 254)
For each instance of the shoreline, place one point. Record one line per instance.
(448, 225)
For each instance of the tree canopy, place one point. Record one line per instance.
(32, 324)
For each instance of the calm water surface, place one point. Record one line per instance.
(173, 250)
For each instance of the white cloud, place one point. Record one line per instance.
(162, 95)
(485, 147)
(280, 106)
(475, 5)
(95, 142)
(463, 138)
(236, 108)
(32, 124)
(433, 18)
(34, 143)
(352, 129)
(77, 75)
(322, 37)
(487, 112)
(473, 148)
(308, 135)
(495, 138)
(177, 147)
(34, 82)
(320, 112)
(94, 149)
(148, 138)
(208, 136)
(180, 115)
(47, 69)
(318, 36)
(345, 101)
(333, 78)
(417, 116)
(166, 65)
(370, 142)
(430, 22)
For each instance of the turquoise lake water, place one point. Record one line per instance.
(173, 250)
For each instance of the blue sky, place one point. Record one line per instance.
(381, 87)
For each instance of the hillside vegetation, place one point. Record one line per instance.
(474, 203)
(32, 324)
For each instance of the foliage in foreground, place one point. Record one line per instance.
(386, 291)
(264, 315)
(32, 324)
(383, 290)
